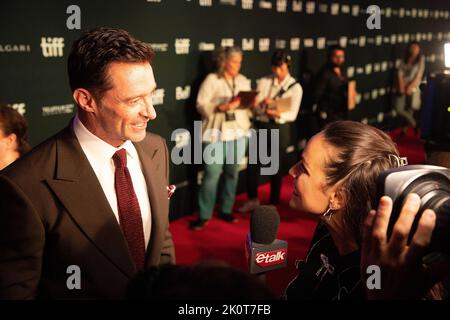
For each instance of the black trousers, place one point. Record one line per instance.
(253, 170)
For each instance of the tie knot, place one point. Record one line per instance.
(120, 158)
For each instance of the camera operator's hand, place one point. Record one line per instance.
(403, 275)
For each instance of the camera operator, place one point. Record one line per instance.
(403, 274)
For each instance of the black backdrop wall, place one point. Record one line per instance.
(35, 42)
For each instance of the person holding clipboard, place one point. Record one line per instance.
(225, 128)
(277, 105)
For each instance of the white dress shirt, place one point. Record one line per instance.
(99, 154)
(214, 91)
(269, 86)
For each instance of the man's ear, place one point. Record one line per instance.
(85, 100)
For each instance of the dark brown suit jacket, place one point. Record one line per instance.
(54, 214)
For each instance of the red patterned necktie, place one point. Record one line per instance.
(129, 211)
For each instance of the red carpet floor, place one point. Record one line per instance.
(223, 241)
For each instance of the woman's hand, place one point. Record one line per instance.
(230, 105)
(403, 275)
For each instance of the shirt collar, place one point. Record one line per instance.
(283, 83)
(97, 149)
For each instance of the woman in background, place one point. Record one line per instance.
(13, 136)
(409, 75)
(225, 130)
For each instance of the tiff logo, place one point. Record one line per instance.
(52, 47)
(182, 46)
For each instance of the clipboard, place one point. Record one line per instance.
(282, 105)
(247, 98)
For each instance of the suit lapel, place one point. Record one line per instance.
(79, 190)
(151, 158)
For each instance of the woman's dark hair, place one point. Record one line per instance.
(408, 53)
(95, 50)
(279, 57)
(362, 152)
(11, 122)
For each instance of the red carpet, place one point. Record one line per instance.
(223, 241)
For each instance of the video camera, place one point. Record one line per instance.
(432, 184)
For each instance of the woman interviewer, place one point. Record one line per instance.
(335, 181)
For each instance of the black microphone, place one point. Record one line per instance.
(263, 251)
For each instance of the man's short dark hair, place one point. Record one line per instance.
(332, 49)
(95, 50)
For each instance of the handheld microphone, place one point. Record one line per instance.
(263, 251)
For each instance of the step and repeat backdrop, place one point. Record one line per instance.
(36, 37)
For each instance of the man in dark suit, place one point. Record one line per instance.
(85, 210)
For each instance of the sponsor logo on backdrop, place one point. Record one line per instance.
(345, 9)
(182, 45)
(265, 4)
(323, 8)
(264, 44)
(334, 9)
(206, 46)
(247, 4)
(52, 47)
(308, 43)
(248, 44)
(295, 44)
(310, 7)
(159, 47)
(227, 42)
(205, 3)
(19, 107)
(14, 48)
(228, 2)
(280, 44)
(297, 5)
(58, 109)
(158, 97)
(182, 93)
(321, 43)
(281, 5)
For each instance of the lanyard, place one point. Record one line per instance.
(231, 87)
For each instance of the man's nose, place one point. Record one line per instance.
(148, 110)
